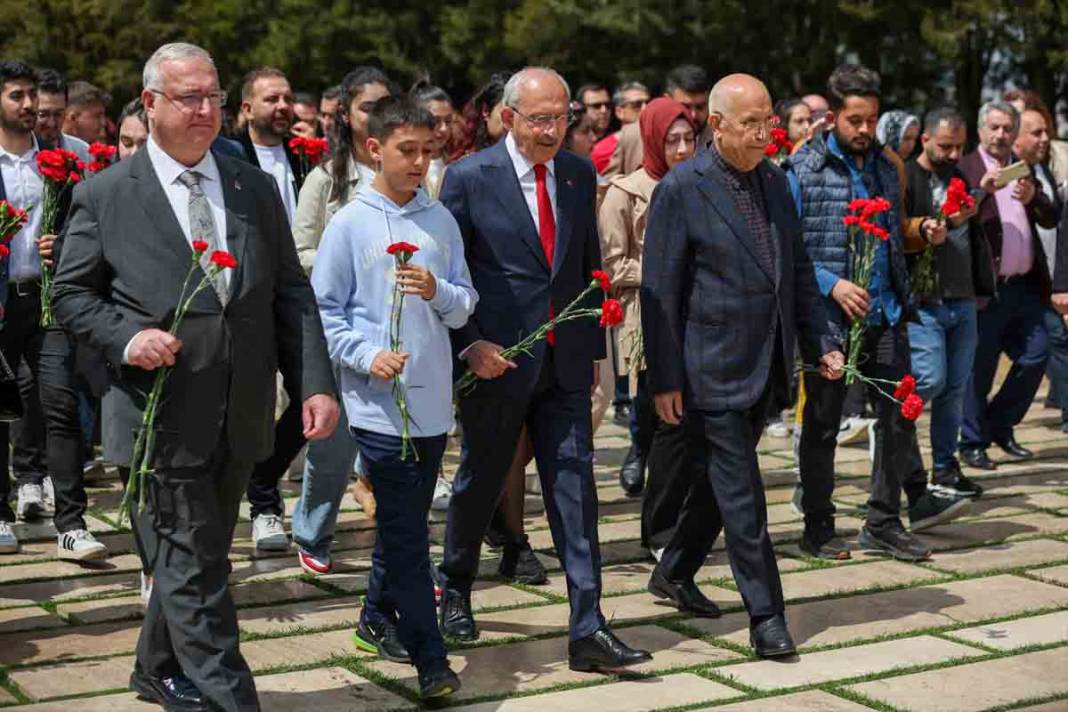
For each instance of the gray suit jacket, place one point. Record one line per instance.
(121, 270)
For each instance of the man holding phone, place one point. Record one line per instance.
(1011, 210)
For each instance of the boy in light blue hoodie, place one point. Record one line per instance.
(354, 281)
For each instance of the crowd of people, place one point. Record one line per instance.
(715, 214)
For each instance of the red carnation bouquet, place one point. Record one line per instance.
(863, 241)
(904, 393)
(144, 448)
(103, 155)
(608, 314)
(780, 147)
(61, 169)
(924, 277)
(310, 151)
(402, 254)
(11, 221)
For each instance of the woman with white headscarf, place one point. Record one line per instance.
(898, 130)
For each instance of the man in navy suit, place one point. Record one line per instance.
(726, 284)
(526, 212)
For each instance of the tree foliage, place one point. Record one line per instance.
(928, 52)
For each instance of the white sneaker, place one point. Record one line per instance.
(268, 533)
(31, 502)
(778, 429)
(442, 495)
(854, 430)
(48, 495)
(80, 545)
(9, 543)
(146, 588)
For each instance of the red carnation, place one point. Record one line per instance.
(4, 251)
(102, 151)
(611, 312)
(601, 276)
(851, 220)
(857, 204)
(402, 247)
(912, 408)
(224, 260)
(200, 246)
(905, 388)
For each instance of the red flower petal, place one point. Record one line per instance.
(601, 276)
(224, 260)
(199, 246)
(611, 312)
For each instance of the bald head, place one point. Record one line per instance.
(735, 93)
(534, 81)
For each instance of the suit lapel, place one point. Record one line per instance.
(774, 208)
(506, 188)
(157, 209)
(238, 208)
(565, 202)
(712, 187)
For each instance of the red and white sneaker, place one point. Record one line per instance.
(313, 565)
(435, 576)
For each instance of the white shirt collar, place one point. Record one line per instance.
(522, 165)
(169, 169)
(13, 158)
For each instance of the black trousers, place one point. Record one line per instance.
(674, 474)
(726, 492)
(263, 494)
(184, 535)
(21, 338)
(561, 432)
(66, 443)
(885, 354)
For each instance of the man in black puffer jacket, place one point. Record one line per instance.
(825, 176)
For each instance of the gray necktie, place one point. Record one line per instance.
(202, 227)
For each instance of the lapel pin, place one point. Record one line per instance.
(237, 184)
(570, 183)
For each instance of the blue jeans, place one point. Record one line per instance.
(943, 351)
(327, 468)
(401, 590)
(1057, 368)
(1013, 324)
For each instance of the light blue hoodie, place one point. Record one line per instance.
(353, 281)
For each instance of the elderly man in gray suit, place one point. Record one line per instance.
(123, 256)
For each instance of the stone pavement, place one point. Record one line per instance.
(982, 625)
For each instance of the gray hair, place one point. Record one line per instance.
(510, 97)
(169, 53)
(1002, 106)
(617, 97)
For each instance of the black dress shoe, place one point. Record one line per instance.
(770, 639)
(438, 681)
(1014, 449)
(632, 473)
(977, 457)
(456, 618)
(174, 694)
(603, 652)
(686, 596)
(518, 563)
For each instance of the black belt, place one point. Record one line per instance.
(25, 288)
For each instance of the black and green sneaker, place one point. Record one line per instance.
(438, 681)
(380, 638)
(934, 508)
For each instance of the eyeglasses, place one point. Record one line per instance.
(753, 126)
(190, 103)
(543, 122)
(633, 104)
(598, 105)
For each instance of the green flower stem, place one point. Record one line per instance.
(49, 213)
(400, 395)
(863, 264)
(854, 372)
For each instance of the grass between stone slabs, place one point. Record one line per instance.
(1034, 701)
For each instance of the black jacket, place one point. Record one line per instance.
(710, 310)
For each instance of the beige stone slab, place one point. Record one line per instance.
(331, 689)
(14, 620)
(841, 620)
(972, 533)
(123, 702)
(69, 642)
(537, 664)
(843, 663)
(65, 589)
(1019, 633)
(1056, 706)
(810, 701)
(1001, 556)
(331, 612)
(94, 676)
(1053, 574)
(60, 569)
(554, 618)
(843, 579)
(628, 696)
(978, 686)
(6, 698)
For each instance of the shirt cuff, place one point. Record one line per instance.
(126, 351)
(463, 354)
(826, 280)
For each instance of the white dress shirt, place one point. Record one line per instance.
(24, 186)
(524, 170)
(167, 170)
(273, 160)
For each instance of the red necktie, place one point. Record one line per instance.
(546, 229)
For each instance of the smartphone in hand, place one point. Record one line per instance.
(1012, 172)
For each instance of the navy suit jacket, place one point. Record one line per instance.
(710, 309)
(514, 281)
